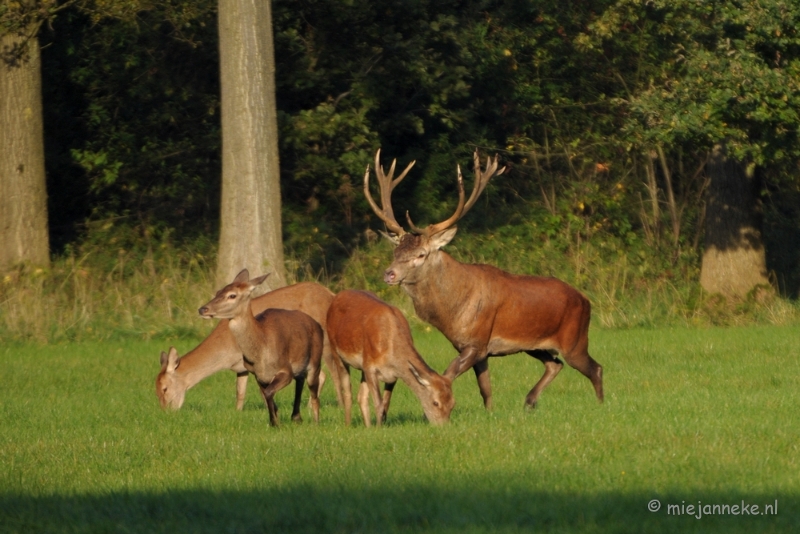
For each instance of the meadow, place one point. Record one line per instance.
(704, 416)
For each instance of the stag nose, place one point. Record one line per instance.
(389, 276)
(203, 310)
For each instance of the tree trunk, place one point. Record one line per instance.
(250, 235)
(733, 261)
(23, 193)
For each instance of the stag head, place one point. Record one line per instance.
(413, 250)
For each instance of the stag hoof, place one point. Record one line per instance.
(530, 405)
(297, 418)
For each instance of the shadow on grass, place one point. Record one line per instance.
(413, 509)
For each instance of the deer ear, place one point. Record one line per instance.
(258, 281)
(243, 276)
(440, 239)
(416, 374)
(170, 361)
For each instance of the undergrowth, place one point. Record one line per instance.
(123, 283)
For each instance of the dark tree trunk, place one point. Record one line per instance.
(734, 260)
(23, 196)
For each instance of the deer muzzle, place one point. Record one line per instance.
(390, 276)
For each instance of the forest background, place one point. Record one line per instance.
(638, 136)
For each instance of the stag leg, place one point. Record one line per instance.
(592, 370)
(268, 390)
(299, 382)
(241, 389)
(484, 382)
(466, 359)
(552, 366)
(471, 357)
(387, 398)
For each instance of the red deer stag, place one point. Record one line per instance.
(219, 350)
(369, 334)
(277, 345)
(481, 309)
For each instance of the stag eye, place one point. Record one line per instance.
(436, 403)
(232, 296)
(421, 255)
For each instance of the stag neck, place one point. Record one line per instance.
(438, 284)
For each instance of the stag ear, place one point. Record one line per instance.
(416, 374)
(394, 238)
(170, 361)
(440, 239)
(242, 277)
(258, 281)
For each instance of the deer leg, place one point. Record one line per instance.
(592, 370)
(347, 393)
(471, 357)
(330, 361)
(241, 389)
(552, 366)
(374, 387)
(363, 400)
(268, 390)
(387, 398)
(466, 359)
(484, 382)
(315, 381)
(299, 382)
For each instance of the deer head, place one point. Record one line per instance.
(438, 400)
(170, 394)
(413, 249)
(231, 300)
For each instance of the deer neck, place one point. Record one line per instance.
(246, 331)
(439, 290)
(206, 359)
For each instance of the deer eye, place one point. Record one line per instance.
(436, 403)
(421, 255)
(232, 296)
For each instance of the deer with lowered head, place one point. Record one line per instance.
(277, 345)
(481, 309)
(373, 336)
(219, 350)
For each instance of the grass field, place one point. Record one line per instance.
(692, 417)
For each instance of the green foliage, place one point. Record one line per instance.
(603, 112)
(690, 415)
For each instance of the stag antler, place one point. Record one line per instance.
(387, 185)
(481, 179)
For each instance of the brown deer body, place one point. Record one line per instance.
(219, 350)
(373, 336)
(277, 345)
(482, 310)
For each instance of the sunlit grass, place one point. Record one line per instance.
(690, 415)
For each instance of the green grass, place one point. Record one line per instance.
(690, 415)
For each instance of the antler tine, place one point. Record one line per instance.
(481, 178)
(385, 212)
(444, 225)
